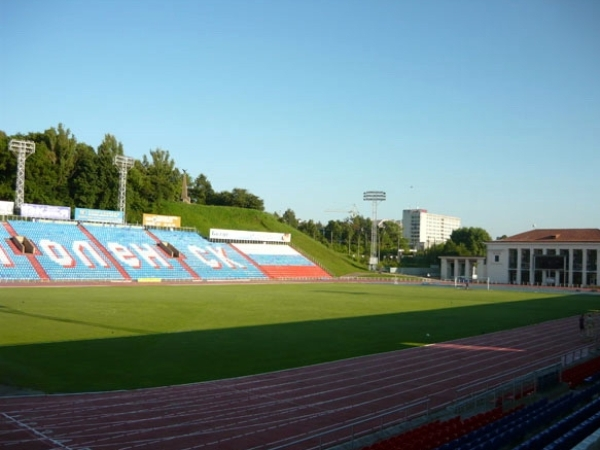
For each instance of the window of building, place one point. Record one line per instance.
(577, 259)
(512, 258)
(525, 258)
(592, 260)
(565, 253)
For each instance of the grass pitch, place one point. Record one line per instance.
(103, 338)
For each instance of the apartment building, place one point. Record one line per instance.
(424, 229)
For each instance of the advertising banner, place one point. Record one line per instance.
(99, 215)
(156, 220)
(46, 211)
(253, 236)
(7, 208)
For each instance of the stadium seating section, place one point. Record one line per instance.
(211, 261)
(71, 251)
(13, 265)
(557, 422)
(281, 261)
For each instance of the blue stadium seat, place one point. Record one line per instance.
(65, 252)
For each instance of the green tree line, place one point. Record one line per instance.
(63, 171)
(352, 237)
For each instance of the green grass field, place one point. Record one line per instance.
(103, 338)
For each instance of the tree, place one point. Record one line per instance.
(40, 174)
(84, 185)
(391, 240)
(8, 170)
(223, 198)
(201, 191)
(108, 174)
(163, 179)
(289, 217)
(61, 151)
(333, 230)
(472, 239)
(312, 229)
(244, 199)
(137, 202)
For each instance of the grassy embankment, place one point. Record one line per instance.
(203, 218)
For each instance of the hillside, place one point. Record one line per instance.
(203, 218)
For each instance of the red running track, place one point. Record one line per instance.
(273, 410)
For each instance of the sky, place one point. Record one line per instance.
(484, 110)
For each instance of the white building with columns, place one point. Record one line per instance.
(558, 257)
(471, 267)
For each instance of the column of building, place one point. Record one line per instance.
(598, 267)
(584, 268)
(444, 269)
(531, 267)
(544, 272)
(518, 278)
(569, 279)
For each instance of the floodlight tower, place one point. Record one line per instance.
(22, 149)
(123, 163)
(374, 197)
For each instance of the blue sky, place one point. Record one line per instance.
(485, 110)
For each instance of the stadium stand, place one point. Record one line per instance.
(64, 252)
(282, 261)
(211, 261)
(555, 422)
(579, 416)
(438, 433)
(576, 375)
(14, 265)
(72, 251)
(137, 252)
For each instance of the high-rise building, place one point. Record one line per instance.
(424, 229)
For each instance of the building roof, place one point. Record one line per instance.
(557, 235)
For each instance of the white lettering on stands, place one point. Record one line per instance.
(4, 259)
(200, 252)
(151, 256)
(57, 253)
(124, 255)
(80, 248)
(219, 252)
(87, 254)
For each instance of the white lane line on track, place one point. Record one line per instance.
(36, 432)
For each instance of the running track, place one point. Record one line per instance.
(272, 410)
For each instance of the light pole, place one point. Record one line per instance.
(22, 149)
(123, 163)
(373, 197)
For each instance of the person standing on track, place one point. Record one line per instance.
(589, 325)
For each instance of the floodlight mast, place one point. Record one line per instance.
(123, 163)
(374, 197)
(22, 149)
